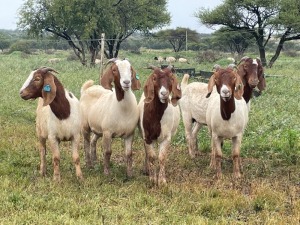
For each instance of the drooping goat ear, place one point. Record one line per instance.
(176, 91)
(136, 84)
(261, 76)
(211, 84)
(107, 78)
(239, 88)
(241, 69)
(149, 89)
(49, 89)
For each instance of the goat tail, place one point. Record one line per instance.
(184, 81)
(86, 85)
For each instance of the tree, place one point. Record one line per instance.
(4, 41)
(81, 22)
(262, 19)
(177, 37)
(234, 41)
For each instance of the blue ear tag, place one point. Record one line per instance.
(137, 76)
(47, 88)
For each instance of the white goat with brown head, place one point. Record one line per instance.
(58, 117)
(110, 112)
(159, 119)
(226, 116)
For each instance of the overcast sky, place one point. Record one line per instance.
(181, 13)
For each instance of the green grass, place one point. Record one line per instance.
(268, 192)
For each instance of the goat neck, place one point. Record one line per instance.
(247, 92)
(60, 106)
(227, 108)
(120, 93)
(153, 113)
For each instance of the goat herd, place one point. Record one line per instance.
(111, 110)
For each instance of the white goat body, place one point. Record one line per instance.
(110, 112)
(226, 116)
(193, 105)
(102, 112)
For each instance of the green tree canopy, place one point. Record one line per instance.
(236, 42)
(177, 37)
(262, 19)
(81, 22)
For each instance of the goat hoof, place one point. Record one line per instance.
(56, 178)
(237, 175)
(162, 182)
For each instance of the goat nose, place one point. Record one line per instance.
(253, 82)
(126, 82)
(164, 93)
(225, 91)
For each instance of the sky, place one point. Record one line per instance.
(181, 13)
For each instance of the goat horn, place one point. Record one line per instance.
(243, 59)
(232, 66)
(45, 69)
(216, 67)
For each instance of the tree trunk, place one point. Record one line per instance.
(277, 53)
(94, 49)
(279, 47)
(259, 37)
(110, 43)
(117, 48)
(262, 55)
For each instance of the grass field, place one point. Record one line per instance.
(268, 193)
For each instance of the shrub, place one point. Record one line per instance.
(22, 46)
(291, 53)
(208, 56)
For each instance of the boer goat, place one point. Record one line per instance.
(226, 116)
(58, 117)
(159, 119)
(110, 112)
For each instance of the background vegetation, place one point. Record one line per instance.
(268, 192)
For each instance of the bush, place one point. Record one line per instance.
(208, 56)
(72, 57)
(22, 46)
(291, 53)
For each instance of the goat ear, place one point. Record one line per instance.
(211, 84)
(136, 84)
(176, 91)
(241, 70)
(261, 77)
(149, 89)
(49, 89)
(239, 88)
(262, 83)
(107, 79)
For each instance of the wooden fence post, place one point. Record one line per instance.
(101, 56)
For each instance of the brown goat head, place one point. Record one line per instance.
(40, 83)
(228, 83)
(161, 83)
(248, 70)
(122, 74)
